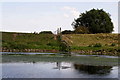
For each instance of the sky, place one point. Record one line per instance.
(48, 16)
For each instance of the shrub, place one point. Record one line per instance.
(52, 44)
(106, 44)
(113, 44)
(81, 30)
(67, 32)
(97, 45)
(6, 45)
(14, 45)
(64, 47)
(46, 32)
(91, 45)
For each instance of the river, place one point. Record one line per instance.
(45, 66)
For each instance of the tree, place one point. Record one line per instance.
(97, 21)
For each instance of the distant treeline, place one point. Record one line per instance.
(46, 32)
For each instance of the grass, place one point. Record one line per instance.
(12, 40)
(106, 42)
(28, 40)
(93, 48)
(88, 39)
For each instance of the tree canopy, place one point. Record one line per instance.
(96, 20)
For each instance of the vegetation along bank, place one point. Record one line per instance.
(80, 43)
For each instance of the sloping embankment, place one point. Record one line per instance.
(80, 43)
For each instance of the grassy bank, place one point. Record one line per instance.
(100, 44)
(28, 41)
(80, 43)
(91, 39)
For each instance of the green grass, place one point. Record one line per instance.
(93, 48)
(12, 40)
(107, 42)
(28, 41)
(88, 39)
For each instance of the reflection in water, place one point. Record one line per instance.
(90, 69)
(58, 70)
(93, 69)
(60, 66)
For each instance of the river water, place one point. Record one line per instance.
(57, 70)
(54, 69)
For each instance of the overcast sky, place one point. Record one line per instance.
(40, 16)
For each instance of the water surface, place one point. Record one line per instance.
(58, 66)
(57, 70)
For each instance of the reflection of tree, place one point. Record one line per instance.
(93, 69)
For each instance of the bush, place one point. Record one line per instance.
(67, 32)
(97, 45)
(14, 45)
(52, 44)
(6, 45)
(113, 44)
(91, 45)
(81, 30)
(64, 47)
(46, 32)
(106, 44)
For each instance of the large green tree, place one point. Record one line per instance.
(96, 20)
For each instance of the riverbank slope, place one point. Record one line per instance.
(80, 43)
